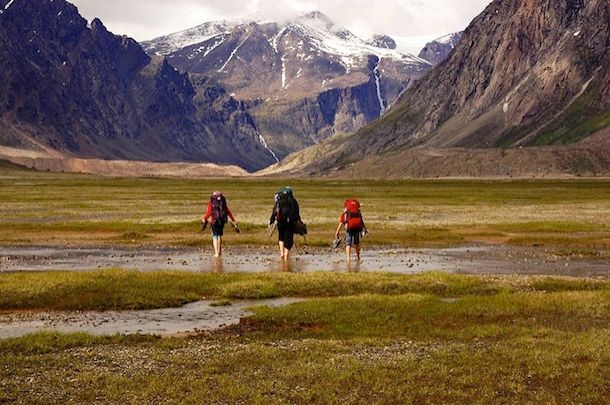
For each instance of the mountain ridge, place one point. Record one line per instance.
(81, 91)
(304, 79)
(524, 74)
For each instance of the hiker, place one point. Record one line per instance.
(217, 215)
(351, 219)
(286, 213)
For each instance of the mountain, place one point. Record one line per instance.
(303, 80)
(80, 91)
(438, 50)
(525, 73)
(382, 41)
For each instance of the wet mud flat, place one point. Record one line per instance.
(486, 259)
(192, 318)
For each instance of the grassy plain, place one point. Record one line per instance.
(366, 338)
(66, 209)
(359, 338)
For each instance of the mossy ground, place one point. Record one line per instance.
(79, 210)
(361, 339)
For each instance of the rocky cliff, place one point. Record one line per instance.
(526, 73)
(438, 50)
(303, 80)
(82, 91)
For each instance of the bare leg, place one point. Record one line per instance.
(348, 253)
(216, 243)
(286, 254)
(281, 249)
(220, 246)
(357, 251)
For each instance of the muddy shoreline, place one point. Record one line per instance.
(193, 318)
(484, 259)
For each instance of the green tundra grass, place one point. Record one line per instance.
(59, 209)
(359, 338)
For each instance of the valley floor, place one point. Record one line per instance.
(359, 339)
(351, 337)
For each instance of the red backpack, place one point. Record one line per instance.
(353, 217)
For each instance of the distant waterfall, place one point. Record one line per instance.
(378, 88)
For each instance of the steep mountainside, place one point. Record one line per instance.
(526, 73)
(438, 50)
(84, 92)
(302, 80)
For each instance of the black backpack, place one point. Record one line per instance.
(286, 207)
(219, 210)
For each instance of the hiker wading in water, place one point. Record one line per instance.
(217, 215)
(351, 219)
(286, 213)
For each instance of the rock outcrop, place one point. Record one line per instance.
(438, 50)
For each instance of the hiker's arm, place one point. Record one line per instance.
(296, 205)
(208, 213)
(341, 224)
(338, 229)
(273, 213)
(231, 216)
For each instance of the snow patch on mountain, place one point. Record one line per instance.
(315, 27)
(204, 32)
(7, 6)
(234, 52)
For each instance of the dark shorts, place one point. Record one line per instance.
(352, 238)
(286, 234)
(218, 231)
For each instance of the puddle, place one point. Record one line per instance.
(191, 318)
(496, 259)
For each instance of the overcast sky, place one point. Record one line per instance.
(417, 21)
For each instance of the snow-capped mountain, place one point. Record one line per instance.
(438, 50)
(303, 80)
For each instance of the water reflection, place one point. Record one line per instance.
(259, 261)
(286, 266)
(218, 265)
(352, 267)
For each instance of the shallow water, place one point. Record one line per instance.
(492, 259)
(191, 318)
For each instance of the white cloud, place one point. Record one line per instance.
(415, 20)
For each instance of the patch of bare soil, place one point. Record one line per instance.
(533, 162)
(118, 168)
